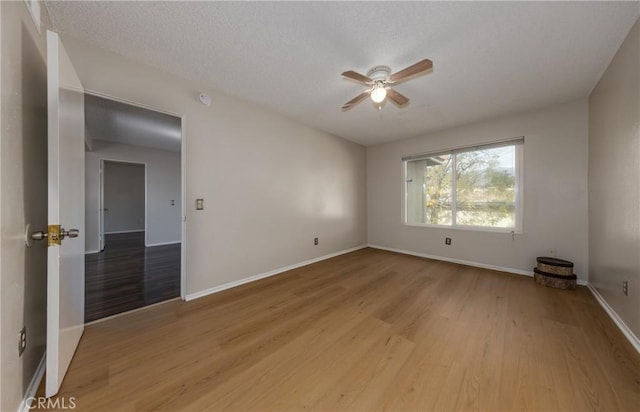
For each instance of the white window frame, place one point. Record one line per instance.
(517, 142)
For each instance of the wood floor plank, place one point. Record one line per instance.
(126, 275)
(362, 386)
(367, 331)
(310, 381)
(421, 378)
(276, 368)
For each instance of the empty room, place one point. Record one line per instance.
(361, 206)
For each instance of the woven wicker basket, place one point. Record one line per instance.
(555, 266)
(556, 273)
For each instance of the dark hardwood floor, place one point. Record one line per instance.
(127, 275)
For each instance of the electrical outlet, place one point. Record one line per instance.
(447, 240)
(315, 241)
(22, 340)
(625, 287)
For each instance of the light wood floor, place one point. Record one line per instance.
(370, 330)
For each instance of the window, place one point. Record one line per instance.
(474, 187)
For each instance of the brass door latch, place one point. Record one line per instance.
(54, 234)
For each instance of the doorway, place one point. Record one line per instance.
(123, 199)
(133, 208)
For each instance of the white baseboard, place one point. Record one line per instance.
(465, 262)
(88, 252)
(115, 232)
(34, 384)
(163, 243)
(235, 283)
(628, 333)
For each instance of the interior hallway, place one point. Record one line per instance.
(127, 275)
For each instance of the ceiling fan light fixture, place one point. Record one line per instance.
(380, 82)
(378, 94)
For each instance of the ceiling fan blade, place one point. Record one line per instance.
(413, 70)
(348, 105)
(357, 77)
(397, 98)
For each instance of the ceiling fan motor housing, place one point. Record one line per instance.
(379, 73)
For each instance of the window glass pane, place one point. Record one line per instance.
(429, 190)
(485, 187)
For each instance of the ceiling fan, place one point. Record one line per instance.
(379, 81)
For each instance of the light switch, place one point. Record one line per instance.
(199, 204)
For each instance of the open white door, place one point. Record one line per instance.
(65, 236)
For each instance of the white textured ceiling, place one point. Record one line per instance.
(123, 123)
(490, 58)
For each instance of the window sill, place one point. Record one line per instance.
(507, 231)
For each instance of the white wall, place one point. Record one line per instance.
(614, 182)
(555, 192)
(163, 185)
(1, 317)
(23, 170)
(124, 197)
(270, 184)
